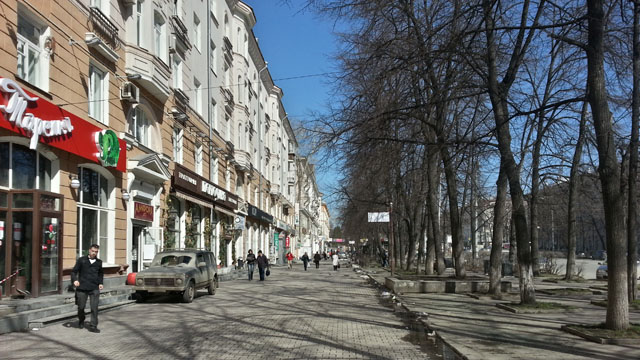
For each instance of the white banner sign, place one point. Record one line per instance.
(378, 217)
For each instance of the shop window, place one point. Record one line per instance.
(140, 126)
(93, 212)
(23, 168)
(33, 58)
(98, 94)
(173, 222)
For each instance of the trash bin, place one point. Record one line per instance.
(507, 269)
(240, 263)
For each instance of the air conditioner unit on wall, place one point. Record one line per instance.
(129, 92)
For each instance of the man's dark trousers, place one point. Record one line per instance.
(94, 298)
(261, 271)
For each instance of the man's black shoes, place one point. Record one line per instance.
(93, 329)
(81, 325)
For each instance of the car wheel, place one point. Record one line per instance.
(189, 293)
(211, 289)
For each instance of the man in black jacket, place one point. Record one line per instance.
(87, 277)
(263, 263)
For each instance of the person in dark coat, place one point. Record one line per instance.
(316, 259)
(87, 276)
(251, 263)
(305, 260)
(263, 264)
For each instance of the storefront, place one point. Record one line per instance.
(49, 157)
(201, 214)
(262, 228)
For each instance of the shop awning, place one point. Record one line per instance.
(193, 199)
(224, 211)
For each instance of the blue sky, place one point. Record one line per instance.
(298, 43)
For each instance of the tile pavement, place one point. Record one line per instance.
(318, 314)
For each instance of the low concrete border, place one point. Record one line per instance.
(598, 339)
(451, 286)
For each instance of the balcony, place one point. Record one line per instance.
(154, 73)
(227, 49)
(103, 27)
(181, 99)
(243, 160)
(180, 32)
(275, 190)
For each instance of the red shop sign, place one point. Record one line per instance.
(46, 123)
(286, 242)
(142, 211)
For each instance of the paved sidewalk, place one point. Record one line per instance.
(477, 329)
(318, 314)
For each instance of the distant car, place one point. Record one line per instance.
(602, 272)
(599, 255)
(178, 272)
(344, 260)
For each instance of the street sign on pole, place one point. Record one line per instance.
(381, 217)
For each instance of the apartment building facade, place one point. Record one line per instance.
(113, 131)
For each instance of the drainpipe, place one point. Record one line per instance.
(260, 239)
(211, 222)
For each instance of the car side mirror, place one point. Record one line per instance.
(202, 263)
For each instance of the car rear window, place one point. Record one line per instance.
(172, 260)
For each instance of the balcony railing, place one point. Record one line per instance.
(180, 31)
(103, 27)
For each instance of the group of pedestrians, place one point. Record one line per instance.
(316, 259)
(261, 260)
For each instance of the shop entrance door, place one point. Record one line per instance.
(49, 260)
(137, 241)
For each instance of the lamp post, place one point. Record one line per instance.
(392, 260)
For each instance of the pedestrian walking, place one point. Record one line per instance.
(335, 261)
(316, 259)
(87, 276)
(289, 259)
(324, 255)
(305, 260)
(263, 264)
(251, 262)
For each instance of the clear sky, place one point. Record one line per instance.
(297, 44)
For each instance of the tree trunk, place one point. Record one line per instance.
(434, 210)
(632, 226)
(430, 261)
(499, 216)
(454, 214)
(574, 189)
(617, 304)
(473, 202)
(533, 204)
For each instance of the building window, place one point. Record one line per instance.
(198, 158)
(98, 94)
(196, 32)
(213, 7)
(214, 59)
(213, 116)
(139, 126)
(227, 179)
(177, 9)
(196, 217)
(159, 36)
(240, 92)
(103, 5)
(197, 96)
(176, 68)
(240, 186)
(33, 60)
(227, 124)
(23, 168)
(139, 23)
(93, 212)
(214, 169)
(177, 145)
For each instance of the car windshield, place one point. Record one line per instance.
(171, 260)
